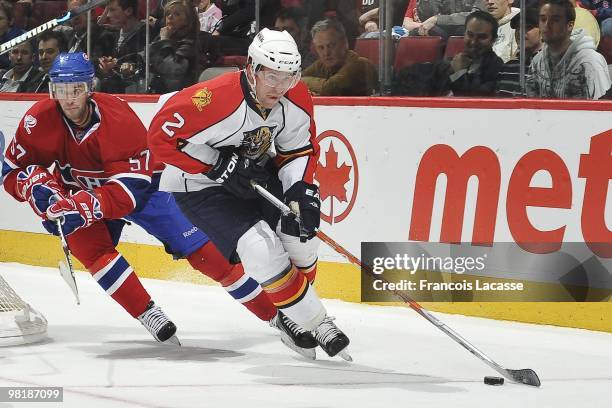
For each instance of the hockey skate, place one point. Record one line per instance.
(157, 323)
(294, 337)
(331, 339)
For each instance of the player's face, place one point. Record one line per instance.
(331, 48)
(47, 51)
(478, 37)
(72, 98)
(553, 25)
(271, 85)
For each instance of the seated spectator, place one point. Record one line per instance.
(566, 67)
(102, 42)
(474, 71)
(124, 68)
(445, 18)
(603, 13)
(7, 30)
(337, 71)
(209, 15)
(292, 21)
(411, 17)
(50, 44)
(505, 46)
(20, 77)
(368, 16)
(508, 83)
(586, 23)
(174, 56)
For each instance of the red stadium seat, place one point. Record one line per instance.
(415, 50)
(21, 14)
(454, 46)
(368, 48)
(605, 48)
(43, 11)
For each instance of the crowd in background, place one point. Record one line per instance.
(475, 45)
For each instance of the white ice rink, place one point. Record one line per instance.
(104, 358)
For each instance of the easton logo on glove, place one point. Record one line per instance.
(235, 173)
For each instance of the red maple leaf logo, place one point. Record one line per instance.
(332, 178)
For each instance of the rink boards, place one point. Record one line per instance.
(378, 169)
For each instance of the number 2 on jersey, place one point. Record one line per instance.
(166, 127)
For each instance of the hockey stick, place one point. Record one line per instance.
(28, 35)
(523, 376)
(65, 268)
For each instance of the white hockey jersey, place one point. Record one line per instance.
(221, 112)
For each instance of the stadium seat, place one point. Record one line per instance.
(21, 14)
(605, 48)
(415, 50)
(454, 46)
(368, 48)
(43, 11)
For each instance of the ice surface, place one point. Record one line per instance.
(104, 358)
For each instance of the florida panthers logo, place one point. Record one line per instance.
(257, 141)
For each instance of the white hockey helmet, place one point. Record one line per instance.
(276, 50)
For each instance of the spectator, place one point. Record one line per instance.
(174, 56)
(7, 30)
(102, 42)
(411, 17)
(368, 17)
(337, 71)
(603, 13)
(50, 44)
(445, 18)
(474, 71)
(292, 21)
(505, 46)
(508, 83)
(343, 10)
(19, 78)
(586, 23)
(209, 15)
(124, 68)
(566, 67)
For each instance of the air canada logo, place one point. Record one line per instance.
(29, 122)
(337, 175)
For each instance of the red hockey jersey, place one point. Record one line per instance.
(221, 112)
(111, 158)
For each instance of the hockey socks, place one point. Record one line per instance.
(117, 278)
(210, 262)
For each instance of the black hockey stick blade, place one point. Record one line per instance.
(28, 35)
(525, 376)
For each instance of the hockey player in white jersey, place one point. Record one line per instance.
(214, 137)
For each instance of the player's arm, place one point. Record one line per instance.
(297, 157)
(25, 170)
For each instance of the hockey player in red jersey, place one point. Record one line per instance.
(102, 173)
(214, 138)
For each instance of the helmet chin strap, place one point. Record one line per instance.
(253, 84)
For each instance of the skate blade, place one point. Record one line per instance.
(345, 356)
(310, 354)
(173, 340)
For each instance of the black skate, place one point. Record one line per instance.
(157, 323)
(294, 337)
(331, 339)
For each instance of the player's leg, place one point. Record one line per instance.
(162, 218)
(94, 246)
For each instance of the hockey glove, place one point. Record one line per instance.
(303, 198)
(79, 210)
(235, 173)
(36, 186)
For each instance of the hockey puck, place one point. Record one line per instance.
(489, 380)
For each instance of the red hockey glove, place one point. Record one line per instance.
(80, 210)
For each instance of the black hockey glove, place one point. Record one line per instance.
(235, 173)
(304, 199)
